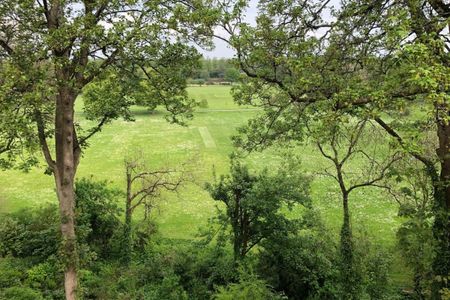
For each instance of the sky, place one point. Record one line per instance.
(222, 50)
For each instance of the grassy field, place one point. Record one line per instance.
(207, 138)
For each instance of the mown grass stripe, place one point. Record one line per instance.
(206, 137)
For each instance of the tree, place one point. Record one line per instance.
(371, 59)
(143, 187)
(343, 143)
(232, 75)
(253, 203)
(51, 50)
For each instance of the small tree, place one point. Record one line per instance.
(253, 203)
(232, 74)
(144, 186)
(343, 143)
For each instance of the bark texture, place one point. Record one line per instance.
(64, 173)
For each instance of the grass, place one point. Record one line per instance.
(208, 139)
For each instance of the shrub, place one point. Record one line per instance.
(30, 233)
(301, 266)
(97, 215)
(198, 81)
(20, 293)
(169, 288)
(47, 277)
(377, 275)
(10, 272)
(203, 103)
(201, 269)
(249, 287)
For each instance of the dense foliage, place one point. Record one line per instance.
(253, 204)
(299, 262)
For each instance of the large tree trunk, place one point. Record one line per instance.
(65, 169)
(441, 227)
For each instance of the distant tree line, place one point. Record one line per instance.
(215, 71)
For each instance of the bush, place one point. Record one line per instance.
(373, 264)
(249, 287)
(30, 233)
(201, 269)
(302, 266)
(47, 277)
(20, 293)
(203, 103)
(97, 215)
(10, 272)
(198, 81)
(377, 275)
(169, 288)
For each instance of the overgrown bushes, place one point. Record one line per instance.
(299, 263)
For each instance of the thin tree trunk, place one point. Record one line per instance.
(236, 243)
(350, 280)
(127, 240)
(127, 236)
(237, 229)
(245, 235)
(65, 169)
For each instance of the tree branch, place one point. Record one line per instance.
(8, 145)
(6, 47)
(428, 163)
(93, 131)
(377, 179)
(43, 140)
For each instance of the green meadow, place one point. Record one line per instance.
(206, 143)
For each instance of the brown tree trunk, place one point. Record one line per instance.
(127, 239)
(441, 227)
(65, 169)
(444, 158)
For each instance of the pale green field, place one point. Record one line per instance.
(207, 138)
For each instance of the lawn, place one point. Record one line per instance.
(207, 140)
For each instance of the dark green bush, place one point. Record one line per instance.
(20, 293)
(11, 273)
(302, 266)
(97, 215)
(31, 233)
